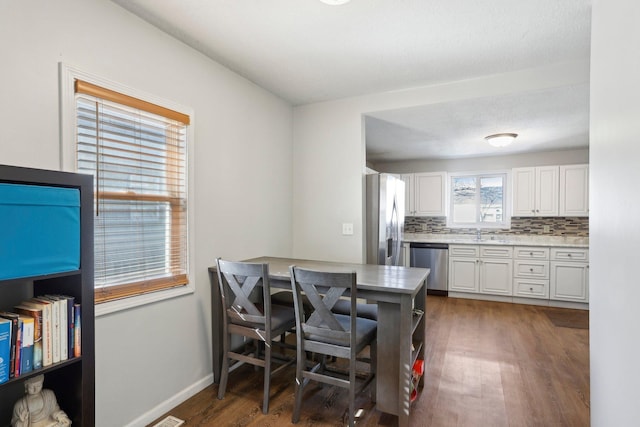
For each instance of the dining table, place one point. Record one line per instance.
(401, 297)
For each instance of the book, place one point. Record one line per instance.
(6, 327)
(77, 342)
(63, 324)
(18, 360)
(47, 350)
(55, 327)
(66, 322)
(26, 345)
(13, 317)
(36, 313)
(70, 322)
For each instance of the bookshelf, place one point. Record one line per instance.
(72, 380)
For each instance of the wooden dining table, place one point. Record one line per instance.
(399, 292)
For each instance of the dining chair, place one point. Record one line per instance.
(325, 333)
(248, 312)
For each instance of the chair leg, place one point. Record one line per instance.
(352, 392)
(224, 373)
(300, 363)
(373, 351)
(267, 377)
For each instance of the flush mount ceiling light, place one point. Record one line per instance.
(500, 139)
(335, 2)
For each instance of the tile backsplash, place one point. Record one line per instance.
(557, 226)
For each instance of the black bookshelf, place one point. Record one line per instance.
(72, 380)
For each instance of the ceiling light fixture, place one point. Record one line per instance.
(501, 139)
(335, 2)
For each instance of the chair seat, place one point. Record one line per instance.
(365, 331)
(282, 317)
(367, 311)
(286, 298)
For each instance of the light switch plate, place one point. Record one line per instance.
(347, 229)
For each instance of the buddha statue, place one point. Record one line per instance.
(38, 408)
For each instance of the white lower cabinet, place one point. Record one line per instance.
(464, 272)
(481, 269)
(543, 273)
(531, 272)
(569, 274)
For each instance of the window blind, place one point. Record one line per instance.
(137, 154)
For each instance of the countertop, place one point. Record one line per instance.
(496, 239)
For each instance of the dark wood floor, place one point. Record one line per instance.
(487, 364)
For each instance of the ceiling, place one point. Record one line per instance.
(305, 51)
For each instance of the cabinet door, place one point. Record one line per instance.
(496, 276)
(409, 194)
(406, 255)
(463, 274)
(430, 191)
(524, 191)
(574, 190)
(569, 281)
(547, 191)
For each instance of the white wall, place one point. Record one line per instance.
(329, 153)
(545, 158)
(151, 357)
(614, 231)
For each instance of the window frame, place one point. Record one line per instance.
(68, 75)
(506, 196)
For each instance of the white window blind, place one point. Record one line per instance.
(137, 154)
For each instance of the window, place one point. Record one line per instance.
(478, 200)
(136, 151)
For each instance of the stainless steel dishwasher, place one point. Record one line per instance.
(436, 257)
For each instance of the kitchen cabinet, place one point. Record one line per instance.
(464, 268)
(569, 279)
(405, 259)
(574, 190)
(531, 272)
(535, 191)
(481, 269)
(425, 193)
(409, 191)
(496, 270)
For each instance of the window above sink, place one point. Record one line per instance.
(478, 200)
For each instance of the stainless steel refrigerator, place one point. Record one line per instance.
(384, 215)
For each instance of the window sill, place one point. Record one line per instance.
(138, 301)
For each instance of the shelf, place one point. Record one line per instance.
(72, 380)
(417, 316)
(46, 370)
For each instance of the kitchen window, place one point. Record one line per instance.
(478, 200)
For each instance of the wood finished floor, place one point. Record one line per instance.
(487, 364)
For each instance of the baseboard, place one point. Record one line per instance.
(521, 300)
(172, 402)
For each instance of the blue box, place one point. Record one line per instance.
(39, 230)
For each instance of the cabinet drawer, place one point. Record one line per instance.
(531, 288)
(526, 252)
(570, 254)
(531, 269)
(496, 251)
(463, 251)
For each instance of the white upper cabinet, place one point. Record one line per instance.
(425, 193)
(409, 194)
(430, 193)
(535, 191)
(574, 190)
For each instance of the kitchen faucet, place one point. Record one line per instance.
(478, 234)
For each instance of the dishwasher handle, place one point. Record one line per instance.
(429, 245)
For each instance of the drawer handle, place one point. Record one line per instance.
(569, 255)
(531, 289)
(531, 253)
(531, 270)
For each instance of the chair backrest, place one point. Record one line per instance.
(242, 299)
(323, 290)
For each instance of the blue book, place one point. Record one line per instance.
(5, 349)
(26, 345)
